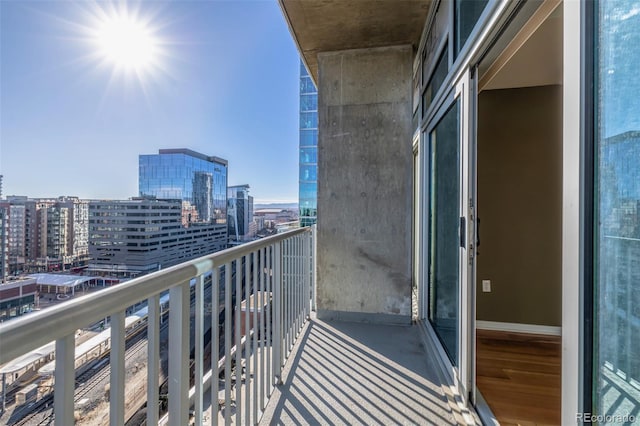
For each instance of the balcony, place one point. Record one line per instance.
(354, 373)
(276, 362)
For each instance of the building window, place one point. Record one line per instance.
(467, 13)
(308, 172)
(308, 102)
(309, 155)
(308, 120)
(308, 137)
(616, 365)
(308, 190)
(435, 81)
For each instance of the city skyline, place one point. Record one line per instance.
(74, 121)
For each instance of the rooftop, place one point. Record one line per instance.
(192, 153)
(62, 280)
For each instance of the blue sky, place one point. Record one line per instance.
(226, 84)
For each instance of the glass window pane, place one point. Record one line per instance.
(444, 227)
(307, 86)
(309, 155)
(436, 80)
(308, 102)
(308, 137)
(617, 245)
(308, 172)
(467, 14)
(308, 191)
(308, 120)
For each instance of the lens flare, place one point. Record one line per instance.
(127, 40)
(127, 43)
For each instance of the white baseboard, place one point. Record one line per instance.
(519, 328)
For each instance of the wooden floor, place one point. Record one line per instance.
(519, 376)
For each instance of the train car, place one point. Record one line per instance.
(100, 344)
(28, 394)
(22, 367)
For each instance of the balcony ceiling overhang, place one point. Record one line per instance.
(333, 25)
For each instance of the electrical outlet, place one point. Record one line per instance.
(486, 286)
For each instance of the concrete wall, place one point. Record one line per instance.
(520, 205)
(365, 184)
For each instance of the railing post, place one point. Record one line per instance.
(65, 375)
(267, 345)
(287, 285)
(116, 390)
(314, 267)
(153, 359)
(215, 343)
(284, 291)
(277, 313)
(247, 335)
(227, 343)
(296, 288)
(237, 325)
(258, 376)
(179, 355)
(300, 284)
(308, 264)
(199, 349)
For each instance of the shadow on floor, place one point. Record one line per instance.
(350, 373)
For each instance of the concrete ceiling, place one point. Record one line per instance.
(331, 25)
(538, 62)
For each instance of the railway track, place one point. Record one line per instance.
(89, 380)
(103, 374)
(41, 412)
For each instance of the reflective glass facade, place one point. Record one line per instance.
(308, 192)
(240, 212)
(199, 181)
(617, 204)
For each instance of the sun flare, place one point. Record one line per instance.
(126, 43)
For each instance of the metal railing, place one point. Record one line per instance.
(273, 276)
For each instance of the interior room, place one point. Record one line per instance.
(519, 196)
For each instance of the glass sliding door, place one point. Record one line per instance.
(616, 365)
(444, 224)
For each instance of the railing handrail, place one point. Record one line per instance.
(29, 332)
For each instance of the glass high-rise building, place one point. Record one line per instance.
(198, 180)
(308, 189)
(240, 213)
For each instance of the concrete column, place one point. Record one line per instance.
(365, 185)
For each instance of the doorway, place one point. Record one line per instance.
(519, 209)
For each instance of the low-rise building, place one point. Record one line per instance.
(128, 238)
(17, 297)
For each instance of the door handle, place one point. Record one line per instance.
(477, 232)
(463, 232)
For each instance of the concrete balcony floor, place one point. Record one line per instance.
(351, 373)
